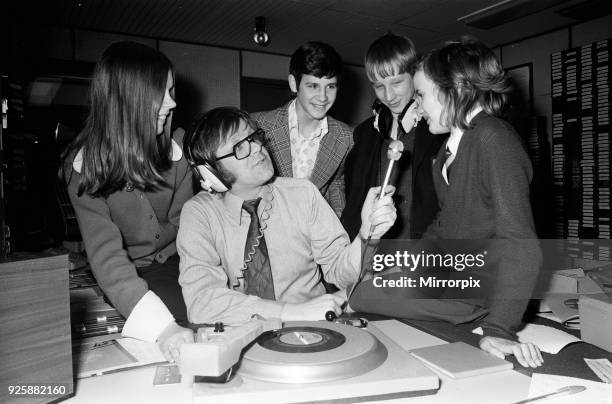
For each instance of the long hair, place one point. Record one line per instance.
(390, 55)
(467, 74)
(119, 142)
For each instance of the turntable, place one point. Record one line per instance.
(320, 361)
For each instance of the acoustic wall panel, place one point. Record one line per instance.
(89, 45)
(206, 77)
(265, 66)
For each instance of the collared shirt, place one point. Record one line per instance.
(304, 149)
(407, 125)
(301, 231)
(453, 142)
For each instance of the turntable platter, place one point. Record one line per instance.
(310, 352)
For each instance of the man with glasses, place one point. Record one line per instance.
(252, 244)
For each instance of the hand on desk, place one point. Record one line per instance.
(314, 309)
(527, 354)
(171, 339)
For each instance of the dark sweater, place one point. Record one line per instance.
(488, 198)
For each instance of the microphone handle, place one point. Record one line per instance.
(382, 189)
(386, 181)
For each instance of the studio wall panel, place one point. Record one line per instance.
(58, 43)
(354, 102)
(265, 66)
(89, 45)
(206, 77)
(537, 51)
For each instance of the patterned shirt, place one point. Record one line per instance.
(304, 150)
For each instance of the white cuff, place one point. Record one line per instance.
(148, 319)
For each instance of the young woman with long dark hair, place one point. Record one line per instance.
(128, 180)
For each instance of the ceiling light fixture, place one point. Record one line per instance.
(261, 36)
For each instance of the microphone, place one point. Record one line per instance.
(394, 152)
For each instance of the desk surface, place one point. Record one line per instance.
(569, 362)
(135, 386)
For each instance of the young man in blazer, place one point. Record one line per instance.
(390, 63)
(303, 141)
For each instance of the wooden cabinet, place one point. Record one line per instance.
(35, 341)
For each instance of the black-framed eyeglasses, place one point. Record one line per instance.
(242, 149)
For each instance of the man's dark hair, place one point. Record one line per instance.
(210, 130)
(317, 59)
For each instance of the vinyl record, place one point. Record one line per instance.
(301, 339)
(310, 352)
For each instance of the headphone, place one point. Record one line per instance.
(210, 178)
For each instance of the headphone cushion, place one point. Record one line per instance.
(211, 179)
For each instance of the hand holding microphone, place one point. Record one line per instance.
(378, 213)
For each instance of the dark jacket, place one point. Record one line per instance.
(362, 171)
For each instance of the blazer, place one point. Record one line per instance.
(363, 172)
(328, 171)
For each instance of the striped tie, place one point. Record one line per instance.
(448, 160)
(259, 273)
